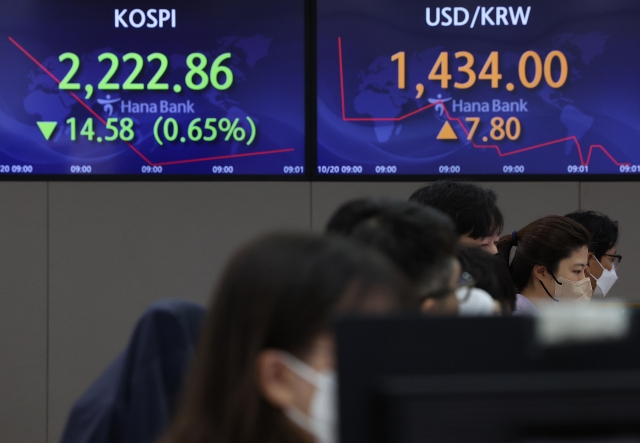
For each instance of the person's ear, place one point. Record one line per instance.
(274, 379)
(540, 272)
(430, 306)
(590, 257)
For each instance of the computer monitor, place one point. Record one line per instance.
(152, 90)
(406, 380)
(420, 90)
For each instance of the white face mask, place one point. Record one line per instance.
(571, 291)
(606, 280)
(474, 302)
(322, 421)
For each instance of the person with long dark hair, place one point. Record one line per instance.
(264, 366)
(549, 263)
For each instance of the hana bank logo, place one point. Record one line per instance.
(489, 16)
(107, 104)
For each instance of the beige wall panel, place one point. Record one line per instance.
(327, 197)
(523, 202)
(23, 312)
(117, 247)
(620, 201)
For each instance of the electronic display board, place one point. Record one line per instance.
(121, 88)
(478, 88)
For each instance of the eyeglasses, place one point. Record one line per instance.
(465, 281)
(615, 259)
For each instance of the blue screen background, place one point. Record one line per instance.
(564, 131)
(266, 43)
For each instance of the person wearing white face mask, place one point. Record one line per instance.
(264, 370)
(603, 254)
(549, 265)
(476, 302)
(603, 283)
(491, 274)
(321, 416)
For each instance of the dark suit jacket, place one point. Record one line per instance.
(133, 399)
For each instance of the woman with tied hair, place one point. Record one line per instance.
(549, 263)
(264, 367)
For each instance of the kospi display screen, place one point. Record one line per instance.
(141, 88)
(478, 88)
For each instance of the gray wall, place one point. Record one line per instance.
(81, 261)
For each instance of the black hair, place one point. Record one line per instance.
(421, 241)
(472, 208)
(490, 273)
(279, 292)
(546, 242)
(603, 230)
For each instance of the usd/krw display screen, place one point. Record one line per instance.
(478, 87)
(141, 88)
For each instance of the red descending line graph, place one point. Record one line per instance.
(464, 128)
(149, 162)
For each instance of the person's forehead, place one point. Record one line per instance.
(578, 258)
